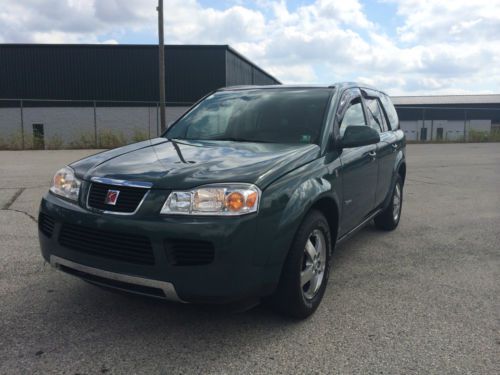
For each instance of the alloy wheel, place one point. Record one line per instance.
(313, 264)
(396, 203)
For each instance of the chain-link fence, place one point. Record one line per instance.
(56, 124)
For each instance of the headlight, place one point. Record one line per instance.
(65, 184)
(224, 199)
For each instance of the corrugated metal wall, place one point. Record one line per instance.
(78, 72)
(120, 72)
(239, 71)
(261, 78)
(450, 112)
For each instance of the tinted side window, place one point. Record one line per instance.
(354, 115)
(392, 115)
(375, 116)
(385, 126)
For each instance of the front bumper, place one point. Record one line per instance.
(231, 276)
(135, 284)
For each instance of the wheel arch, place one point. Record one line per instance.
(328, 206)
(317, 196)
(402, 170)
(399, 170)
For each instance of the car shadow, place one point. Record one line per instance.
(351, 246)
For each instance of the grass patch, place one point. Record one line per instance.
(54, 143)
(111, 139)
(14, 141)
(83, 141)
(139, 135)
(483, 136)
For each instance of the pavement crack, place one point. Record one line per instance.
(21, 212)
(25, 187)
(11, 201)
(426, 182)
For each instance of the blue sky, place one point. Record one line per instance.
(407, 47)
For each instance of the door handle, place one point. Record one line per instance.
(372, 154)
(394, 146)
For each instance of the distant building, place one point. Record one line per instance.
(69, 91)
(447, 117)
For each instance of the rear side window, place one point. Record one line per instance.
(392, 115)
(375, 115)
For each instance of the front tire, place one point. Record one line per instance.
(305, 272)
(389, 218)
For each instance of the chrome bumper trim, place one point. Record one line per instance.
(167, 288)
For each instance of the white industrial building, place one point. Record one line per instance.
(447, 117)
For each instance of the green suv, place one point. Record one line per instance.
(245, 196)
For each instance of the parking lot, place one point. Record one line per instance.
(422, 299)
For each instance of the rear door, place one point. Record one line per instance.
(359, 165)
(386, 148)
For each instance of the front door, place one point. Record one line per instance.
(423, 134)
(359, 167)
(439, 134)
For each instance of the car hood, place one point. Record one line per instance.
(185, 164)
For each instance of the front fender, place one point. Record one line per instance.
(284, 205)
(302, 199)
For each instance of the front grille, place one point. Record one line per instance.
(112, 245)
(128, 200)
(46, 224)
(189, 253)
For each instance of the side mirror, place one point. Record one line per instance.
(357, 136)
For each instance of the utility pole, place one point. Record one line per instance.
(161, 63)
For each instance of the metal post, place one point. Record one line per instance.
(465, 124)
(95, 124)
(161, 62)
(22, 124)
(423, 124)
(157, 120)
(149, 121)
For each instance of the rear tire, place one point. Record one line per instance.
(305, 273)
(389, 218)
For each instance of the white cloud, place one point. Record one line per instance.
(449, 21)
(295, 73)
(445, 46)
(189, 22)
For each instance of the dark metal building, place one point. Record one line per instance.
(121, 72)
(68, 94)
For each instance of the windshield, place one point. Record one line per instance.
(258, 115)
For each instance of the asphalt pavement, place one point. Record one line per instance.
(422, 299)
